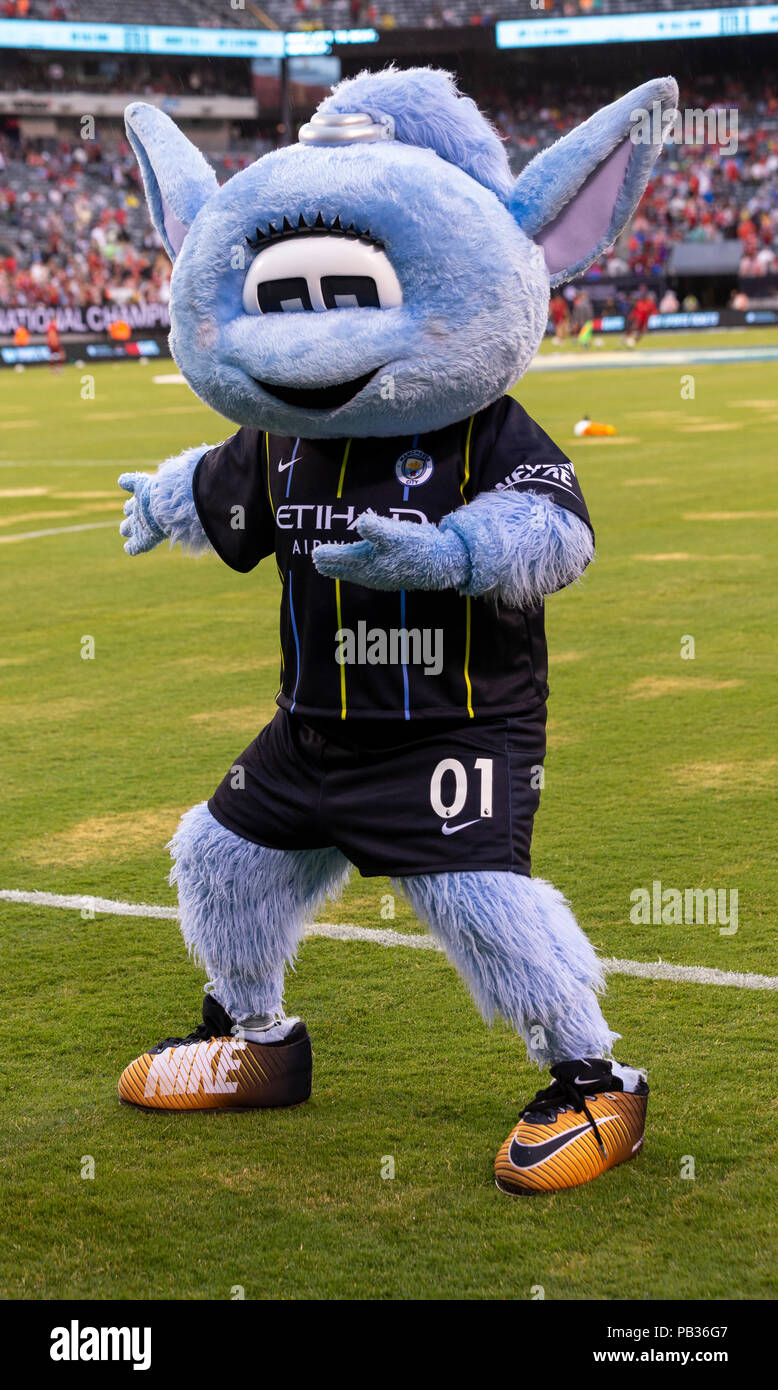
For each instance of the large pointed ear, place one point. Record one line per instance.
(176, 177)
(575, 198)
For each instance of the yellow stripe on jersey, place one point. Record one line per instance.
(343, 469)
(269, 489)
(466, 478)
(343, 709)
(280, 643)
(343, 706)
(278, 567)
(468, 602)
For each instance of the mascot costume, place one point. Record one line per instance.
(358, 304)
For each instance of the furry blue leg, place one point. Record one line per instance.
(243, 907)
(520, 950)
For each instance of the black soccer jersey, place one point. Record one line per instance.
(353, 652)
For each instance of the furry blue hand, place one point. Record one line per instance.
(397, 555)
(139, 527)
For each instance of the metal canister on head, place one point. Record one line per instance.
(336, 128)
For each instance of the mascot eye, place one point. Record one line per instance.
(283, 296)
(320, 273)
(350, 292)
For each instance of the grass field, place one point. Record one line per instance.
(659, 769)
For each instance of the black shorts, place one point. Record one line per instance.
(450, 798)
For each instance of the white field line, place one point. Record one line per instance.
(60, 531)
(122, 464)
(343, 931)
(651, 357)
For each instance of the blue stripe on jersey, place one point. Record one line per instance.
(406, 702)
(406, 489)
(296, 640)
(291, 466)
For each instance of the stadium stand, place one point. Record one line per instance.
(699, 193)
(196, 13)
(74, 229)
(47, 72)
(306, 14)
(73, 226)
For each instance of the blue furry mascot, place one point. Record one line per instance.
(359, 304)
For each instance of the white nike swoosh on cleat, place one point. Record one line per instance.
(452, 829)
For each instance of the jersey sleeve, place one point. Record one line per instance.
(513, 453)
(230, 494)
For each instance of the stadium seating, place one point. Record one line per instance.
(297, 14)
(74, 228)
(73, 225)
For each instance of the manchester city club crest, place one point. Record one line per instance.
(413, 468)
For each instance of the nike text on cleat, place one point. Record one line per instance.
(211, 1069)
(572, 1131)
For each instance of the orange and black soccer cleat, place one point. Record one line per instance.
(578, 1127)
(215, 1068)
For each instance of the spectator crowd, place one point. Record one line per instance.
(313, 14)
(74, 229)
(699, 192)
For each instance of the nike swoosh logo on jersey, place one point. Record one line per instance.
(527, 1156)
(452, 829)
(282, 467)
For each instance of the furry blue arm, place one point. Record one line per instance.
(514, 546)
(163, 505)
(521, 546)
(396, 555)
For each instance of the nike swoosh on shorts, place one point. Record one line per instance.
(452, 829)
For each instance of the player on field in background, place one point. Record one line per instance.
(560, 317)
(54, 344)
(639, 315)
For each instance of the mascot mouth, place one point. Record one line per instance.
(318, 397)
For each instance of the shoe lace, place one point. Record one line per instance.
(559, 1096)
(202, 1033)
